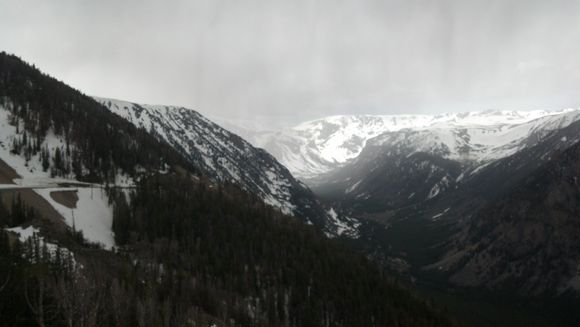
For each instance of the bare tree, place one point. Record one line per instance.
(5, 283)
(66, 293)
(119, 301)
(79, 296)
(35, 287)
(35, 296)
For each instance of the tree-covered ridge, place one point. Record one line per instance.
(198, 254)
(277, 271)
(98, 144)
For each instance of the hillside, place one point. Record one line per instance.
(187, 249)
(225, 157)
(484, 205)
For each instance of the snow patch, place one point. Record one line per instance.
(352, 188)
(92, 215)
(438, 187)
(32, 234)
(439, 215)
(346, 226)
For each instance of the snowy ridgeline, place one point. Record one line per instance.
(225, 157)
(316, 147)
(222, 155)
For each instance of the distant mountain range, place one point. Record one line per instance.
(319, 146)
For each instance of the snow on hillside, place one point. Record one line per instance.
(345, 226)
(226, 157)
(24, 233)
(27, 170)
(221, 155)
(31, 233)
(93, 215)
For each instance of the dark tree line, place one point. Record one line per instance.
(196, 254)
(16, 213)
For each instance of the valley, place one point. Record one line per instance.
(427, 197)
(461, 208)
(310, 163)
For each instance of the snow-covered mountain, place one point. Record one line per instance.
(225, 157)
(319, 146)
(481, 142)
(399, 168)
(469, 197)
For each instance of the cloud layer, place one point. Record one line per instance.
(287, 61)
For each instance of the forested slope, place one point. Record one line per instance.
(188, 251)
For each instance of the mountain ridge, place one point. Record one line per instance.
(226, 157)
(319, 146)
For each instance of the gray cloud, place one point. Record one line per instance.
(288, 61)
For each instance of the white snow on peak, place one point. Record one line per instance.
(318, 146)
(482, 142)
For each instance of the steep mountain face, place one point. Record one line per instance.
(529, 239)
(524, 232)
(320, 146)
(377, 181)
(226, 157)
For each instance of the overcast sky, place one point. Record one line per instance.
(293, 60)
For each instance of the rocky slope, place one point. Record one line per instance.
(226, 157)
(523, 234)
